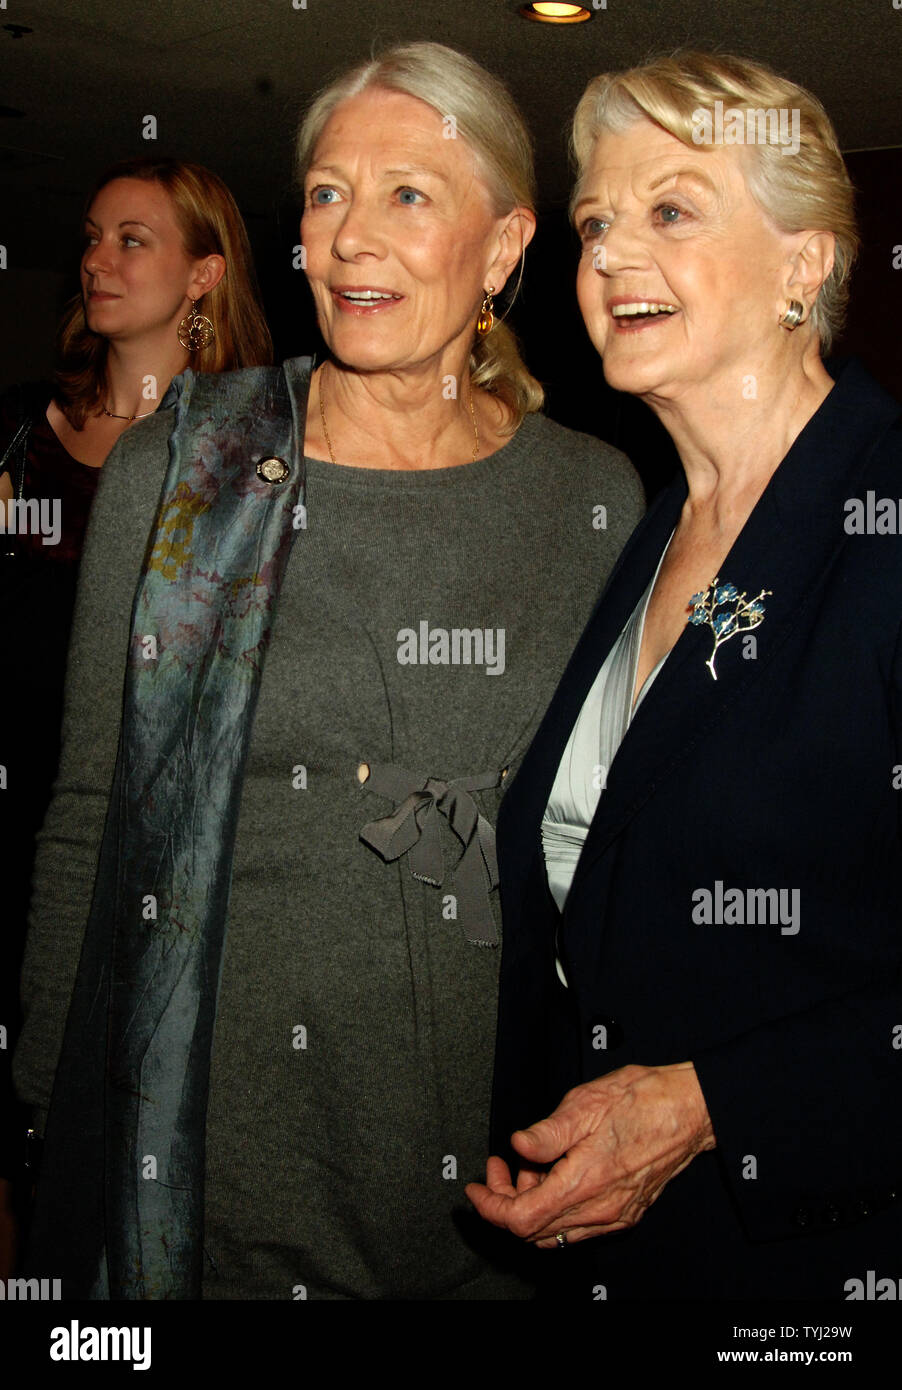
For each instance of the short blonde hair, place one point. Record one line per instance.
(810, 188)
(488, 120)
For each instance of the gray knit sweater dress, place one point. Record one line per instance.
(424, 621)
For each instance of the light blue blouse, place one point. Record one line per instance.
(597, 734)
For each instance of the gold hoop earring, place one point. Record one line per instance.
(794, 315)
(486, 321)
(196, 331)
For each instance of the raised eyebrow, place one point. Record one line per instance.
(584, 203)
(415, 171)
(129, 222)
(689, 175)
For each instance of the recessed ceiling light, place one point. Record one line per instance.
(547, 12)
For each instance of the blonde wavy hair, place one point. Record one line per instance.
(488, 120)
(807, 189)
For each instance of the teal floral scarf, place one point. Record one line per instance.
(120, 1197)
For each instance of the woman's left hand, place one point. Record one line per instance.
(614, 1144)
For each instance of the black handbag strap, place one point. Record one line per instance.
(33, 401)
(13, 461)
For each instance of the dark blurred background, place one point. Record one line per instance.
(227, 79)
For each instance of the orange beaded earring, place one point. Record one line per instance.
(486, 320)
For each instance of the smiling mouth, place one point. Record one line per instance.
(366, 296)
(642, 310)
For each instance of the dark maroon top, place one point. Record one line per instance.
(51, 472)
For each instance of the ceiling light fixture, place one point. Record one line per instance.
(553, 13)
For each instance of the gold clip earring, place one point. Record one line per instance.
(794, 315)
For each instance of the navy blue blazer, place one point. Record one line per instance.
(778, 775)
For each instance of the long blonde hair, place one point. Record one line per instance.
(487, 119)
(809, 188)
(210, 224)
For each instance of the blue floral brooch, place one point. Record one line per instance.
(737, 614)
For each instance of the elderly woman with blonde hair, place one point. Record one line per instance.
(359, 591)
(701, 860)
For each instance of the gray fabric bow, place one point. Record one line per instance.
(413, 827)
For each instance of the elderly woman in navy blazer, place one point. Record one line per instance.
(700, 857)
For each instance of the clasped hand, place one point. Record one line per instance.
(613, 1143)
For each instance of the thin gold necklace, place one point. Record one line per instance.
(142, 416)
(322, 416)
